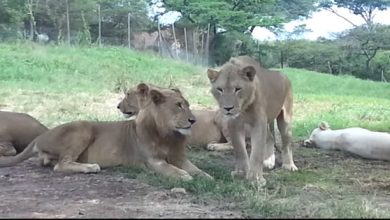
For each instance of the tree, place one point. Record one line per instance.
(12, 13)
(114, 18)
(360, 42)
(363, 8)
(367, 39)
(229, 17)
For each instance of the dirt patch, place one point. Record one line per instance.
(31, 191)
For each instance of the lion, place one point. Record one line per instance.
(251, 95)
(17, 130)
(156, 138)
(359, 141)
(209, 132)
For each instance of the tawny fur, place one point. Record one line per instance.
(157, 138)
(210, 130)
(251, 95)
(17, 130)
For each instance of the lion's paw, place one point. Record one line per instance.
(290, 167)
(219, 147)
(206, 175)
(210, 147)
(270, 162)
(7, 151)
(238, 174)
(93, 168)
(256, 179)
(186, 177)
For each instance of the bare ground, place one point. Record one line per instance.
(31, 191)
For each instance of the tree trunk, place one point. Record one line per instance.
(185, 41)
(128, 30)
(175, 40)
(67, 22)
(281, 58)
(100, 27)
(207, 44)
(32, 20)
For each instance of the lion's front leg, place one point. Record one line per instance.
(194, 170)
(168, 170)
(258, 142)
(237, 134)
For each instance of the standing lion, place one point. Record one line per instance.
(248, 94)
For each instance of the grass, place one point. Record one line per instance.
(62, 84)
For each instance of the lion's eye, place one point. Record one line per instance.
(237, 90)
(220, 90)
(179, 105)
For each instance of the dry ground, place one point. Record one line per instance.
(30, 191)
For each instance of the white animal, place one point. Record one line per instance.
(365, 143)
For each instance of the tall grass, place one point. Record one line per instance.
(61, 84)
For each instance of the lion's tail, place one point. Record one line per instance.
(13, 160)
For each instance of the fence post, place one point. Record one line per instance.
(281, 58)
(383, 79)
(100, 27)
(185, 41)
(207, 44)
(32, 20)
(159, 37)
(174, 38)
(67, 22)
(195, 41)
(128, 29)
(201, 47)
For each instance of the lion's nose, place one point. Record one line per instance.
(118, 107)
(228, 108)
(192, 120)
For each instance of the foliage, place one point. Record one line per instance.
(12, 13)
(363, 8)
(237, 17)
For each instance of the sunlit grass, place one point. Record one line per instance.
(62, 84)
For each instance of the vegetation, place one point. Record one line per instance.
(362, 51)
(61, 84)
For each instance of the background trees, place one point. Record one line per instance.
(362, 51)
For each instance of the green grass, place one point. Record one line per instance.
(62, 84)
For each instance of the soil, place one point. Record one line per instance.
(31, 191)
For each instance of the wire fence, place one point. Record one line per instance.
(184, 43)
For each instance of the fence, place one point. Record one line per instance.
(188, 44)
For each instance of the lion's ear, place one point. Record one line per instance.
(249, 72)
(324, 125)
(157, 97)
(176, 90)
(124, 90)
(142, 89)
(212, 74)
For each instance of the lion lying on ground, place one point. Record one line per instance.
(210, 130)
(17, 130)
(362, 142)
(156, 138)
(251, 95)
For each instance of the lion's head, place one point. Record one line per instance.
(129, 105)
(170, 110)
(233, 86)
(311, 141)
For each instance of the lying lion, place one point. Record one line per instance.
(157, 138)
(210, 130)
(251, 95)
(17, 130)
(362, 142)
(207, 132)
